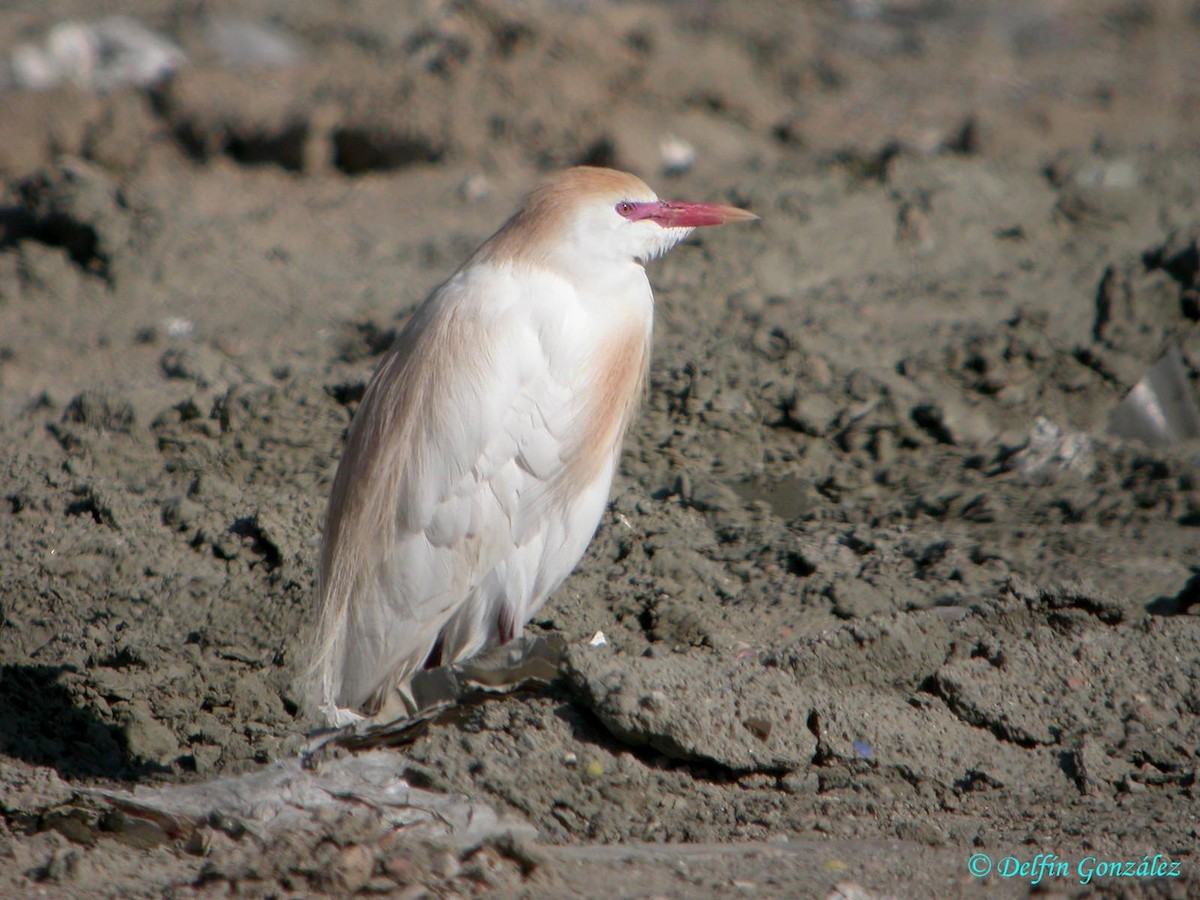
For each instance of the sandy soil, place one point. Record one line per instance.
(880, 593)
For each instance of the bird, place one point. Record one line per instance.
(477, 466)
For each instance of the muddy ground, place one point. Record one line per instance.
(879, 590)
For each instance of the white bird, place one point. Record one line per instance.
(479, 462)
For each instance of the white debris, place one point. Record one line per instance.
(849, 890)
(245, 44)
(1161, 410)
(475, 188)
(677, 154)
(1049, 447)
(101, 56)
(598, 640)
(178, 326)
(863, 10)
(301, 796)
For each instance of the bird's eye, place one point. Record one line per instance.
(625, 208)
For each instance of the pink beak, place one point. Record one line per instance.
(681, 214)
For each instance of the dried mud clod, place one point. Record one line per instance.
(77, 206)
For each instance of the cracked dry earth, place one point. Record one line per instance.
(879, 589)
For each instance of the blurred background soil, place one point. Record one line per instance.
(880, 590)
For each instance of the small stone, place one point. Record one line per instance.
(399, 869)
(475, 188)
(812, 414)
(707, 495)
(206, 758)
(801, 781)
(950, 421)
(445, 865)
(856, 599)
(179, 513)
(352, 869)
(197, 364)
(1129, 786)
(147, 738)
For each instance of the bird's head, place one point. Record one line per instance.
(587, 219)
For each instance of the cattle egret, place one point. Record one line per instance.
(478, 465)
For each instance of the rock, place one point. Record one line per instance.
(146, 738)
(854, 598)
(950, 420)
(812, 413)
(180, 513)
(352, 869)
(736, 713)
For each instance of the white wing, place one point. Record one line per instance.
(458, 506)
